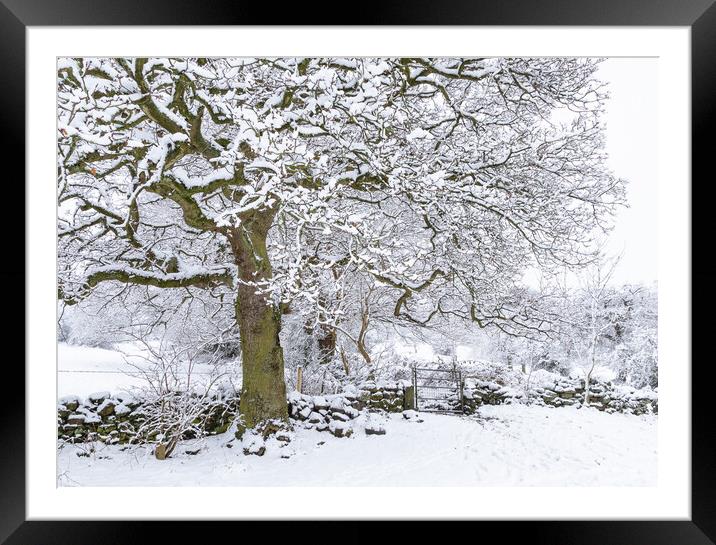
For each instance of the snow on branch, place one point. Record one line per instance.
(191, 278)
(443, 179)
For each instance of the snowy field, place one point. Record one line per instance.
(509, 445)
(83, 370)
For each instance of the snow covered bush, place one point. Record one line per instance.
(184, 393)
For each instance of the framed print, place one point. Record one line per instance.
(432, 265)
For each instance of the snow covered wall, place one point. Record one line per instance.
(122, 419)
(563, 392)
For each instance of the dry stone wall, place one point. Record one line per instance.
(564, 392)
(387, 396)
(337, 413)
(121, 419)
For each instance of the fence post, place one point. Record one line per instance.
(299, 379)
(462, 402)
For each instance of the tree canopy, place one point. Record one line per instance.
(441, 179)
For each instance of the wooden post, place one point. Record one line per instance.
(462, 402)
(299, 379)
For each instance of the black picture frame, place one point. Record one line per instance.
(16, 15)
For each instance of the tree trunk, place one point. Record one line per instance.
(588, 380)
(263, 393)
(364, 321)
(326, 344)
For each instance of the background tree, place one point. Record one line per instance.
(590, 316)
(272, 182)
(634, 340)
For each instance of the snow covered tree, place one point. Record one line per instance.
(591, 314)
(635, 339)
(273, 181)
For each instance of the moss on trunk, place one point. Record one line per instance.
(263, 394)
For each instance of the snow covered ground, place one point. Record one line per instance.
(501, 446)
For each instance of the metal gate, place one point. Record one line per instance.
(438, 390)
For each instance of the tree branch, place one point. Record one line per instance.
(204, 279)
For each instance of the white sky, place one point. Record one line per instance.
(632, 146)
